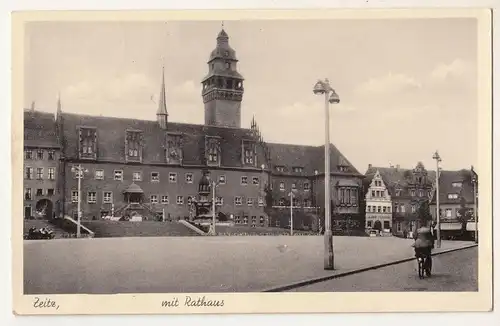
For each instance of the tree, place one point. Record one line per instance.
(424, 213)
(463, 215)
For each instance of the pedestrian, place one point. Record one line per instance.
(405, 233)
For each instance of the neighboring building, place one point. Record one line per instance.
(378, 204)
(149, 167)
(408, 189)
(41, 165)
(453, 186)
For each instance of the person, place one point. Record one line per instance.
(424, 242)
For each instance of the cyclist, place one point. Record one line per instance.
(424, 242)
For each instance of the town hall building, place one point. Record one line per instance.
(153, 168)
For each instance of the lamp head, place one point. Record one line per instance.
(319, 88)
(334, 98)
(316, 172)
(263, 166)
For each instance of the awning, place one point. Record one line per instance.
(133, 189)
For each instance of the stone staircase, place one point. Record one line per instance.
(114, 229)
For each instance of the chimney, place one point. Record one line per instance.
(369, 166)
(397, 167)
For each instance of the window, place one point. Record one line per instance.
(348, 196)
(262, 221)
(448, 213)
(28, 154)
(452, 196)
(51, 173)
(456, 184)
(378, 209)
(245, 219)
(39, 154)
(180, 200)
(298, 169)
(28, 173)
(307, 186)
(413, 208)
(39, 192)
(249, 153)
(420, 193)
(373, 193)
(255, 181)
(250, 201)
(294, 186)
(378, 193)
(50, 192)
(384, 209)
(74, 196)
(87, 143)
(213, 154)
(99, 174)
(119, 175)
(137, 176)
(222, 179)
(412, 193)
(27, 194)
(295, 202)
(398, 227)
(153, 199)
(307, 203)
(369, 224)
(155, 176)
(398, 193)
(403, 208)
(261, 201)
(133, 145)
(91, 197)
(237, 200)
(281, 202)
(219, 201)
(282, 186)
(237, 219)
(51, 154)
(39, 173)
(277, 223)
(164, 199)
(368, 208)
(172, 177)
(387, 225)
(244, 181)
(108, 197)
(189, 200)
(280, 168)
(388, 209)
(189, 178)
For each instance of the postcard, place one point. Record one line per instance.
(252, 161)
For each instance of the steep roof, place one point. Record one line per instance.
(310, 158)
(111, 139)
(39, 129)
(446, 181)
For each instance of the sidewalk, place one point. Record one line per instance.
(199, 264)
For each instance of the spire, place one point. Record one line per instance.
(33, 106)
(59, 109)
(162, 113)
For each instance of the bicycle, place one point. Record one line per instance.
(424, 265)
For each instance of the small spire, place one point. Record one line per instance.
(59, 109)
(33, 106)
(162, 101)
(222, 25)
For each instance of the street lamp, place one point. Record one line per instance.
(474, 185)
(315, 186)
(79, 170)
(291, 194)
(438, 212)
(324, 88)
(215, 184)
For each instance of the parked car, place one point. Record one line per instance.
(39, 234)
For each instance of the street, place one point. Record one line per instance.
(454, 271)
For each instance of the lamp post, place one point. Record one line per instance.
(324, 88)
(214, 185)
(438, 211)
(291, 212)
(79, 170)
(315, 185)
(474, 185)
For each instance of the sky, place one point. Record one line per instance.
(407, 87)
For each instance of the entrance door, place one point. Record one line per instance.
(27, 212)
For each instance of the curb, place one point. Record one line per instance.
(355, 271)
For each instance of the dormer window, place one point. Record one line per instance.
(133, 145)
(212, 148)
(298, 169)
(173, 148)
(456, 184)
(249, 156)
(280, 168)
(452, 196)
(87, 143)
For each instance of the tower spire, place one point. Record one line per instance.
(162, 113)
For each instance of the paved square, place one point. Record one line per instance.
(196, 264)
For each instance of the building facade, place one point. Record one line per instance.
(456, 195)
(378, 204)
(153, 168)
(41, 165)
(408, 189)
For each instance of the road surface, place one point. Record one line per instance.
(454, 271)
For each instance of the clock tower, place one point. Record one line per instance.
(223, 86)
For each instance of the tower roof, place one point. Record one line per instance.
(162, 103)
(222, 49)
